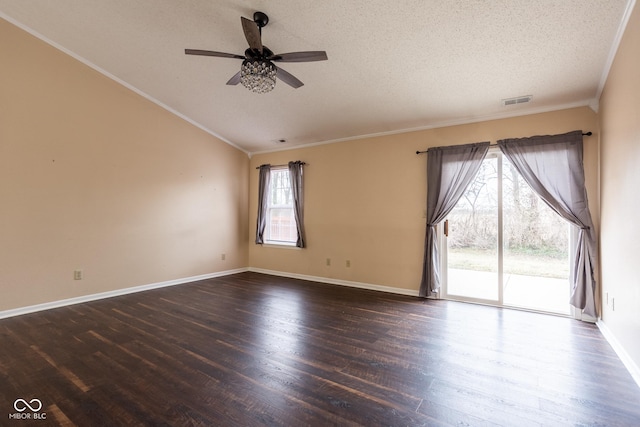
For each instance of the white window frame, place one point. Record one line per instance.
(270, 206)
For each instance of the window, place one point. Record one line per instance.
(280, 217)
(281, 221)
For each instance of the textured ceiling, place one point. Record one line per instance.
(392, 66)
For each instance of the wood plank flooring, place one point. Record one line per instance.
(257, 350)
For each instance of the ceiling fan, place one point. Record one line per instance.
(258, 72)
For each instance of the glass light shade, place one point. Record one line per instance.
(258, 75)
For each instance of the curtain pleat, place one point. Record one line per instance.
(552, 166)
(450, 170)
(295, 175)
(263, 198)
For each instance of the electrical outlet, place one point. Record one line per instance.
(348, 263)
(223, 257)
(328, 262)
(77, 275)
(613, 304)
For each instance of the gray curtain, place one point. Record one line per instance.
(295, 177)
(450, 170)
(552, 166)
(263, 198)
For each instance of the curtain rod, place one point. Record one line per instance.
(494, 144)
(280, 166)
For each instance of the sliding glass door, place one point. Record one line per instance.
(472, 238)
(504, 246)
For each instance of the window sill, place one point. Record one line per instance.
(281, 245)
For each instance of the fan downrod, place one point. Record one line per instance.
(261, 19)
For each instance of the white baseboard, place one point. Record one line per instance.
(628, 362)
(115, 293)
(339, 282)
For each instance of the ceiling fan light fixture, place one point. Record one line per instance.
(258, 75)
(257, 72)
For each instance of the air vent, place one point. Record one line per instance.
(517, 100)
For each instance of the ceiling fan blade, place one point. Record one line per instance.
(315, 55)
(235, 79)
(288, 78)
(252, 34)
(212, 53)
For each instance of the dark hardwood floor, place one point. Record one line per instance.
(254, 350)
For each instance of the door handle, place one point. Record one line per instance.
(446, 227)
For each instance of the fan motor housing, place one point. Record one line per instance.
(266, 53)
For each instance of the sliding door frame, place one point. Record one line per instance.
(443, 246)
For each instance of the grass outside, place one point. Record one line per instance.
(526, 264)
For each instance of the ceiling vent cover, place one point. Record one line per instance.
(517, 100)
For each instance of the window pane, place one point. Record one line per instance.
(281, 222)
(473, 237)
(282, 226)
(281, 189)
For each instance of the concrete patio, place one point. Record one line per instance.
(530, 292)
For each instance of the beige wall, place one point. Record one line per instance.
(365, 199)
(620, 192)
(95, 177)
